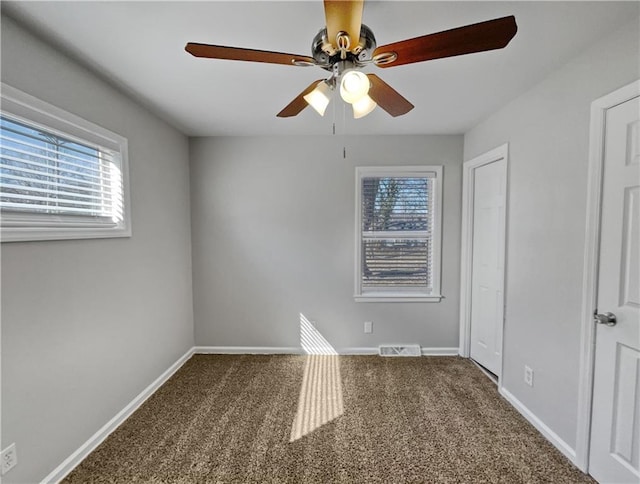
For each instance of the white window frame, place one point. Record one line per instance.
(401, 171)
(16, 227)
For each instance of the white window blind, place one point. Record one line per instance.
(398, 243)
(55, 184)
(42, 172)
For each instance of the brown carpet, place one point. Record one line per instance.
(346, 419)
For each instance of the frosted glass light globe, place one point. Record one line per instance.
(319, 98)
(363, 106)
(353, 86)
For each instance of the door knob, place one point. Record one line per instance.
(608, 319)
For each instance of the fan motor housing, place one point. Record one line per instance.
(327, 55)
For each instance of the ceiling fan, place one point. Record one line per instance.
(346, 45)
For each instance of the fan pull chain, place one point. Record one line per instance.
(333, 109)
(344, 118)
(344, 129)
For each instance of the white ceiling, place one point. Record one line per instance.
(139, 46)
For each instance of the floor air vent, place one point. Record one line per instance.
(400, 350)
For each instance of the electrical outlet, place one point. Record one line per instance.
(9, 458)
(368, 327)
(528, 375)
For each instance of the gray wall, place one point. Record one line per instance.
(87, 325)
(548, 133)
(273, 236)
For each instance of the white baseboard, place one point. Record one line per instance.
(374, 351)
(440, 351)
(550, 435)
(274, 350)
(248, 350)
(358, 350)
(96, 439)
(296, 350)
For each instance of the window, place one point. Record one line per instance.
(61, 177)
(398, 233)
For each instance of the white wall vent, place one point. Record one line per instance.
(399, 350)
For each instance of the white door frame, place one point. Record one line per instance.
(468, 178)
(599, 109)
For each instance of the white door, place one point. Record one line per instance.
(615, 426)
(487, 264)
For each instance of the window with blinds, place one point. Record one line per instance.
(54, 183)
(398, 233)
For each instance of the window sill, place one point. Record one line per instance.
(33, 234)
(405, 298)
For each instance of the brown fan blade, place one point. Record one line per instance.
(252, 55)
(387, 97)
(298, 104)
(343, 16)
(489, 35)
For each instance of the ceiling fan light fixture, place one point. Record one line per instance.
(319, 98)
(354, 85)
(346, 45)
(363, 106)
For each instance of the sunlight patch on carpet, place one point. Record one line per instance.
(320, 399)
